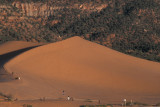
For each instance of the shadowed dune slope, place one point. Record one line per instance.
(9, 50)
(84, 70)
(15, 45)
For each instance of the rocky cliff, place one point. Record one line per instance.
(39, 9)
(35, 9)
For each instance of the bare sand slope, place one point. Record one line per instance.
(15, 45)
(85, 70)
(9, 50)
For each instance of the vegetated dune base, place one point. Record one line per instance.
(84, 70)
(46, 104)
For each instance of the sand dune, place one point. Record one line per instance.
(15, 45)
(9, 50)
(84, 70)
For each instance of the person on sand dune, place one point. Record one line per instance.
(63, 92)
(68, 98)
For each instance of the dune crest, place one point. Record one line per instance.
(15, 45)
(85, 70)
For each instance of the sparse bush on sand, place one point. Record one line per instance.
(108, 105)
(27, 105)
(88, 100)
(139, 103)
(8, 97)
(158, 104)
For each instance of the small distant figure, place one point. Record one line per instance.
(63, 92)
(131, 102)
(12, 73)
(17, 78)
(125, 101)
(99, 101)
(44, 98)
(68, 98)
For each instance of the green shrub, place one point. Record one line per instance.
(27, 105)
(158, 104)
(9, 96)
(108, 105)
(88, 100)
(139, 103)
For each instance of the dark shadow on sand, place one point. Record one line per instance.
(4, 75)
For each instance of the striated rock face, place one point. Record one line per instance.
(35, 9)
(39, 9)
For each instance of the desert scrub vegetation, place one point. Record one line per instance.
(135, 28)
(8, 97)
(108, 105)
(137, 103)
(27, 105)
(158, 104)
(88, 100)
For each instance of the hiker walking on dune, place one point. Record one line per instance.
(68, 98)
(63, 92)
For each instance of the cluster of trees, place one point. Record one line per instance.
(135, 25)
(58, 1)
(11, 1)
(26, 30)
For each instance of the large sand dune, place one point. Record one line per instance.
(85, 70)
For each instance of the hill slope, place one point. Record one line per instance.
(9, 50)
(16, 45)
(84, 70)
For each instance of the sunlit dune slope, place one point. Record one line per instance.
(15, 45)
(84, 70)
